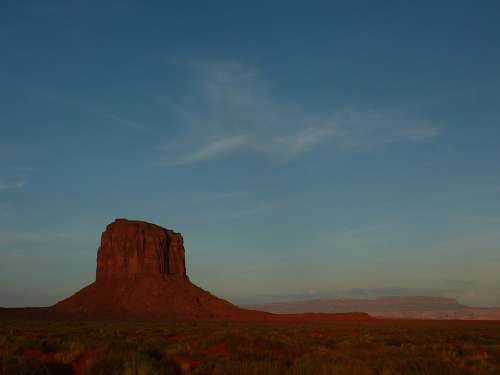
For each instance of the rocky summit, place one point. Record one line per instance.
(131, 249)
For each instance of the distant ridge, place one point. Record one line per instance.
(409, 307)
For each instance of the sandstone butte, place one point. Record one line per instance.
(141, 271)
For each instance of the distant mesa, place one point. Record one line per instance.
(399, 307)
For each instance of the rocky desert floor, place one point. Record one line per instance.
(56, 346)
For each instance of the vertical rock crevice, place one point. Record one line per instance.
(131, 249)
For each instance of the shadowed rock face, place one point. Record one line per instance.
(130, 249)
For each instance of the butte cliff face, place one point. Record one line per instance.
(132, 249)
(141, 270)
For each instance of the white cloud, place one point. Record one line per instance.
(232, 108)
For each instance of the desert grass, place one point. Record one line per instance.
(221, 347)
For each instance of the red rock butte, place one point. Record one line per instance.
(132, 249)
(141, 271)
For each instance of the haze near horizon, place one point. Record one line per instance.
(303, 152)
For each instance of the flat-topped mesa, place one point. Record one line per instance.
(131, 249)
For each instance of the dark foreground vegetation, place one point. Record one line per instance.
(31, 346)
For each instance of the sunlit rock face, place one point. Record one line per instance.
(141, 270)
(131, 249)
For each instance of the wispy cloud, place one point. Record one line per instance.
(214, 149)
(139, 127)
(232, 108)
(11, 185)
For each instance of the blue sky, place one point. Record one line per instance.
(319, 150)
